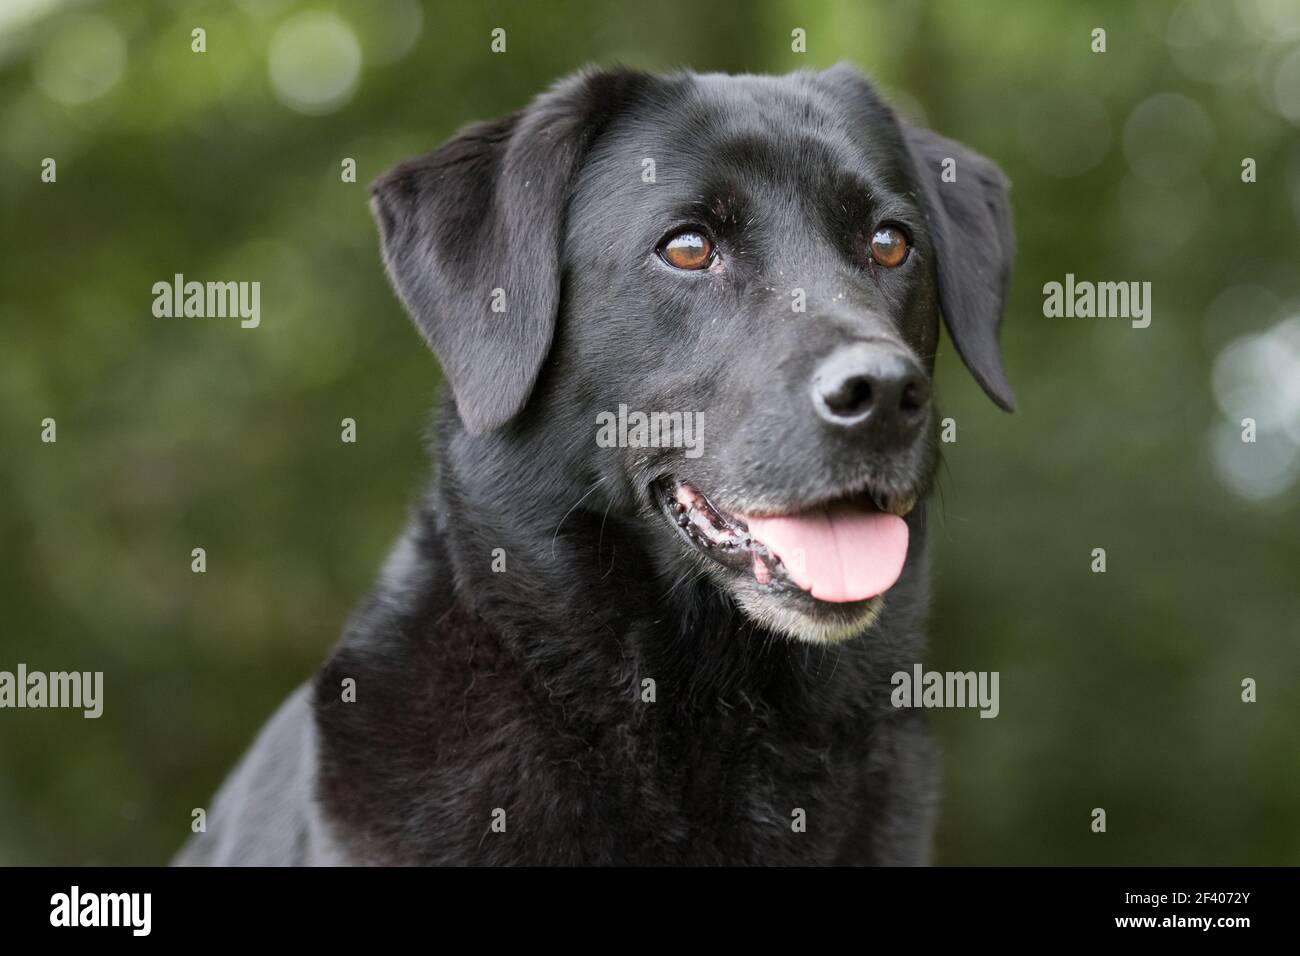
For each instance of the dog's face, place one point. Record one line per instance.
(736, 283)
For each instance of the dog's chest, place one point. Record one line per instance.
(457, 753)
(729, 789)
(512, 784)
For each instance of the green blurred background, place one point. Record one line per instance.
(1119, 690)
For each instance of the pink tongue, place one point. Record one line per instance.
(841, 555)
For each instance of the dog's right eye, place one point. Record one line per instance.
(687, 249)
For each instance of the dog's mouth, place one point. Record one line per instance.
(847, 549)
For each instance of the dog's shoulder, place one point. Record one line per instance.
(265, 813)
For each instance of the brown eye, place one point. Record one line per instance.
(889, 246)
(687, 250)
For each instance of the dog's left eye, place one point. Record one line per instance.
(687, 249)
(889, 246)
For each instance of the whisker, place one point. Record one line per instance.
(570, 511)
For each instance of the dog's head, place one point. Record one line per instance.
(720, 296)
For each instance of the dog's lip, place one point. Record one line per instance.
(863, 494)
(704, 523)
(720, 534)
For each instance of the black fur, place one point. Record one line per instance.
(522, 691)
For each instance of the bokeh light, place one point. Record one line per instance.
(82, 61)
(1258, 470)
(1257, 377)
(390, 30)
(1286, 86)
(315, 63)
(1206, 41)
(1167, 136)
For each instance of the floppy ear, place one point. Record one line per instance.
(970, 223)
(472, 236)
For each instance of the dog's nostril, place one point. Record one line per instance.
(915, 395)
(850, 397)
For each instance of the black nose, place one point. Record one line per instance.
(872, 387)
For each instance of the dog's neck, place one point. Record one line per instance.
(568, 589)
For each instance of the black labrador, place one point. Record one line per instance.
(649, 608)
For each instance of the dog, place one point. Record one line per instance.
(630, 651)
